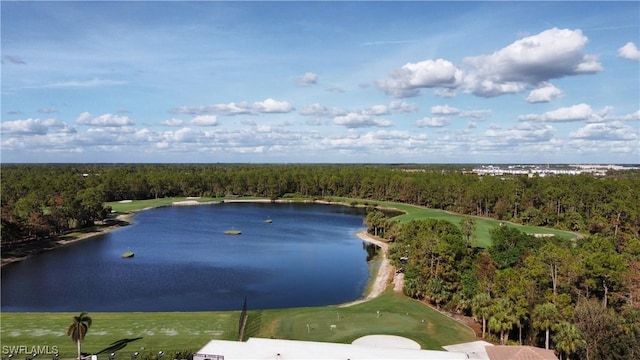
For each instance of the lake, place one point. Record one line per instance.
(307, 256)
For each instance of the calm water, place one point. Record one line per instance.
(308, 256)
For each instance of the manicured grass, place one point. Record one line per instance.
(166, 331)
(171, 331)
(483, 225)
(398, 315)
(135, 205)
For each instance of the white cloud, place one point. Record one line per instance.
(580, 112)
(629, 51)
(106, 120)
(172, 122)
(307, 79)
(273, 106)
(355, 120)
(524, 132)
(635, 116)
(34, 127)
(551, 54)
(410, 78)
(401, 106)
(377, 110)
(543, 94)
(605, 131)
(432, 122)
(232, 108)
(204, 120)
(444, 110)
(321, 110)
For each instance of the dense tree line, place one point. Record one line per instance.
(44, 200)
(580, 297)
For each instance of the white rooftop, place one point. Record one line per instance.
(475, 350)
(258, 348)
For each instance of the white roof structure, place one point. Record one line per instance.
(276, 349)
(475, 350)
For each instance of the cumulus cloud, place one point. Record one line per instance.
(377, 110)
(629, 51)
(444, 110)
(543, 94)
(106, 120)
(432, 122)
(273, 106)
(34, 127)
(307, 79)
(615, 130)
(231, 108)
(172, 122)
(410, 78)
(580, 112)
(321, 110)
(204, 120)
(524, 132)
(355, 120)
(551, 54)
(634, 116)
(401, 106)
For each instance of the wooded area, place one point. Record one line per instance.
(580, 297)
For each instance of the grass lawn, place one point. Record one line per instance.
(483, 225)
(176, 331)
(135, 205)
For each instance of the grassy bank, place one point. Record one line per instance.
(174, 331)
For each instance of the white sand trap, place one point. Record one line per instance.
(125, 201)
(387, 341)
(185, 203)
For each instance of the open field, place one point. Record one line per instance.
(175, 331)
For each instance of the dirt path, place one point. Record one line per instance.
(383, 276)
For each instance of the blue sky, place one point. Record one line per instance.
(328, 82)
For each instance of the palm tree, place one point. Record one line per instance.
(545, 316)
(78, 329)
(503, 318)
(480, 309)
(568, 339)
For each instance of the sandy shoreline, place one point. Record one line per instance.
(385, 273)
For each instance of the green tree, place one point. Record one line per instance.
(78, 330)
(502, 318)
(481, 308)
(545, 316)
(468, 226)
(567, 339)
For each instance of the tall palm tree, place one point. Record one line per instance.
(480, 308)
(78, 329)
(502, 318)
(545, 316)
